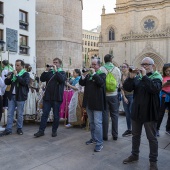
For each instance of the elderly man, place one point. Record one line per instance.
(145, 109)
(94, 101)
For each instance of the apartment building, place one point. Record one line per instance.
(17, 31)
(90, 44)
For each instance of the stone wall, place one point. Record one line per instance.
(59, 32)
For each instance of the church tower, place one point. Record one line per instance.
(59, 33)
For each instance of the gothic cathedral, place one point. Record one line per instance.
(137, 29)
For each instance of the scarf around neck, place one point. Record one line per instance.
(76, 80)
(109, 66)
(19, 74)
(154, 75)
(8, 68)
(59, 70)
(97, 72)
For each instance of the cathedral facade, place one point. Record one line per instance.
(137, 29)
(59, 32)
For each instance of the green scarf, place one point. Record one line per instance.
(155, 75)
(97, 72)
(19, 74)
(8, 68)
(59, 70)
(109, 66)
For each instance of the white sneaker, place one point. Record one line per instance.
(1, 129)
(68, 126)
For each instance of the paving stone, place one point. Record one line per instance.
(69, 151)
(44, 167)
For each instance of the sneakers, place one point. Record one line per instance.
(127, 133)
(91, 141)
(19, 132)
(167, 132)
(39, 134)
(98, 148)
(131, 159)
(5, 132)
(54, 134)
(157, 133)
(1, 129)
(68, 126)
(153, 166)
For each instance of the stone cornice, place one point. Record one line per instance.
(139, 36)
(133, 4)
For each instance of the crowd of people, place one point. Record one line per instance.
(89, 98)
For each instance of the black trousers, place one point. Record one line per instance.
(150, 129)
(164, 105)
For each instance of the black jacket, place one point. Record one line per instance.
(55, 88)
(146, 103)
(21, 86)
(94, 92)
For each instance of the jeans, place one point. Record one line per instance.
(150, 128)
(95, 120)
(47, 105)
(12, 104)
(127, 108)
(112, 105)
(164, 105)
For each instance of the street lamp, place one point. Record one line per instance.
(1, 48)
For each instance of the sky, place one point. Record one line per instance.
(92, 9)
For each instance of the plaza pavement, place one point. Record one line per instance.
(68, 151)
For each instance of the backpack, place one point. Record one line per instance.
(111, 83)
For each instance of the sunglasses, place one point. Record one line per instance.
(123, 67)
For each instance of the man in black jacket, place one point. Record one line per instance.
(95, 102)
(19, 81)
(55, 79)
(145, 109)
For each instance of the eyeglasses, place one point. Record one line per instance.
(123, 67)
(146, 64)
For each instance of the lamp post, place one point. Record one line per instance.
(1, 48)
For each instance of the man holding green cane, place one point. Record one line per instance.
(19, 81)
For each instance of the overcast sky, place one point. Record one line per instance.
(92, 9)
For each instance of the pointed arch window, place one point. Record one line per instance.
(111, 34)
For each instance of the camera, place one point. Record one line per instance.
(48, 65)
(132, 70)
(85, 70)
(10, 73)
